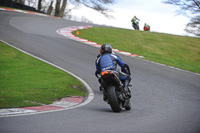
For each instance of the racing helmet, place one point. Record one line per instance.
(106, 48)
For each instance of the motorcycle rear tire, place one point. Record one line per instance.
(113, 99)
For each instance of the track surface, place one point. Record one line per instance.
(165, 100)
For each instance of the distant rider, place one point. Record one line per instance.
(107, 60)
(146, 27)
(135, 23)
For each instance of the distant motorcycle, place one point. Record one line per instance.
(136, 25)
(146, 27)
(112, 88)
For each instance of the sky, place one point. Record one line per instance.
(161, 17)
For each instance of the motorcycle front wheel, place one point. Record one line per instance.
(113, 100)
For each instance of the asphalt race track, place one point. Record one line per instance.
(165, 100)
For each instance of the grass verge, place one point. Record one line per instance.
(178, 51)
(26, 81)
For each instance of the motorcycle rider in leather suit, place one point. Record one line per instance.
(107, 60)
(134, 23)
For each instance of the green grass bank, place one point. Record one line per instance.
(26, 81)
(173, 50)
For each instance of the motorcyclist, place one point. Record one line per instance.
(146, 27)
(135, 21)
(107, 60)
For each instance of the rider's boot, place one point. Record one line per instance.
(104, 94)
(127, 91)
(101, 89)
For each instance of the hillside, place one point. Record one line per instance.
(173, 50)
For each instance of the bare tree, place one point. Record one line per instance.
(98, 5)
(57, 9)
(60, 5)
(194, 26)
(39, 5)
(62, 10)
(50, 9)
(190, 8)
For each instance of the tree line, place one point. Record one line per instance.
(59, 6)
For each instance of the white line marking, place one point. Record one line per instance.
(89, 89)
(59, 31)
